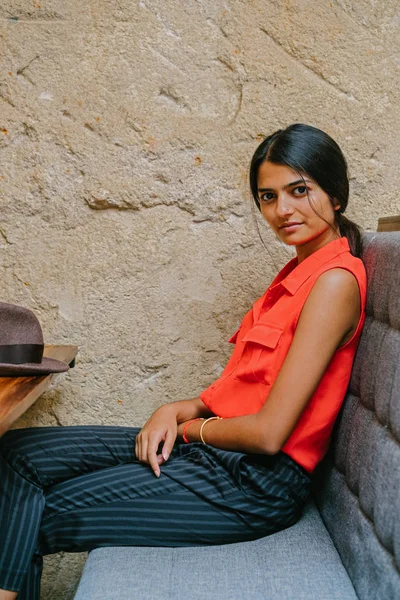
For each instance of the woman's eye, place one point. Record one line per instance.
(267, 196)
(302, 189)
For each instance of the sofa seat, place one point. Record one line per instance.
(302, 558)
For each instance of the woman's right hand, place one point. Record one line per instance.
(162, 426)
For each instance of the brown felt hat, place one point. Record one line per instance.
(21, 344)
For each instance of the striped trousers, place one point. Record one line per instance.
(81, 487)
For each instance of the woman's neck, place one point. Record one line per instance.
(311, 246)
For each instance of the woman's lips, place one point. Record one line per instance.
(290, 227)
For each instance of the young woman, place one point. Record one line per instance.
(234, 463)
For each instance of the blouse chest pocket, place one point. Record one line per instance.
(259, 353)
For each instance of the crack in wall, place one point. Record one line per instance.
(318, 74)
(168, 203)
(104, 202)
(40, 21)
(23, 69)
(5, 237)
(30, 131)
(96, 132)
(217, 26)
(6, 99)
(226, 63)
(173, 98)
(166, 60)
(67, 114)
(54, 414)
(107, 203)
(239, 83)
(90, 127)
(239, 106)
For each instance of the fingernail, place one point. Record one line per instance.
(157, 473)
(165, 454)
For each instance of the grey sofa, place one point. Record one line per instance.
(347, 543)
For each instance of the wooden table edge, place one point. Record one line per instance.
(34, 386)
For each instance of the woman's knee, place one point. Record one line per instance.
(19, 440)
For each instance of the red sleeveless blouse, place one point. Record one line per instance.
(263, 340)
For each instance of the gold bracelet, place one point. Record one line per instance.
(202, 425)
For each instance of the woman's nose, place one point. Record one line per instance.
(284, 206)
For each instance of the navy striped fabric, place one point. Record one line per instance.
(81, 487)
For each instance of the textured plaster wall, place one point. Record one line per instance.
(126, 130)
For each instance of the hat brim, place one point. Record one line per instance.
(46, 367)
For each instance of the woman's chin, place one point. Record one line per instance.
(292, 238)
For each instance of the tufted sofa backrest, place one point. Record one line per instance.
(357, 487)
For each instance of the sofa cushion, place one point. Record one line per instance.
(358, 489)
(299, 562)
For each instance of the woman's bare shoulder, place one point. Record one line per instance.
(340, 284)
(338, 277)
(335, 296)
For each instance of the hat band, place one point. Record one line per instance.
(16, 354)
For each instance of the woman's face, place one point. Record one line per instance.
(284, 205)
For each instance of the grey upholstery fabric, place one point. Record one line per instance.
(358, 490)
(298, 563)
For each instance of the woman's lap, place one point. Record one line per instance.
(98, 494)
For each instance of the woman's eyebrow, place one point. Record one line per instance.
(285, 186)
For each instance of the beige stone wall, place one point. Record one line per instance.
(126, 130)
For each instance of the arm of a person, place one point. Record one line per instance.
(162, 426)
(185, 410)
(329, 315)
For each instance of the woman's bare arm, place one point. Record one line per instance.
(189, 409)
(328, 318)
(162, 426)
